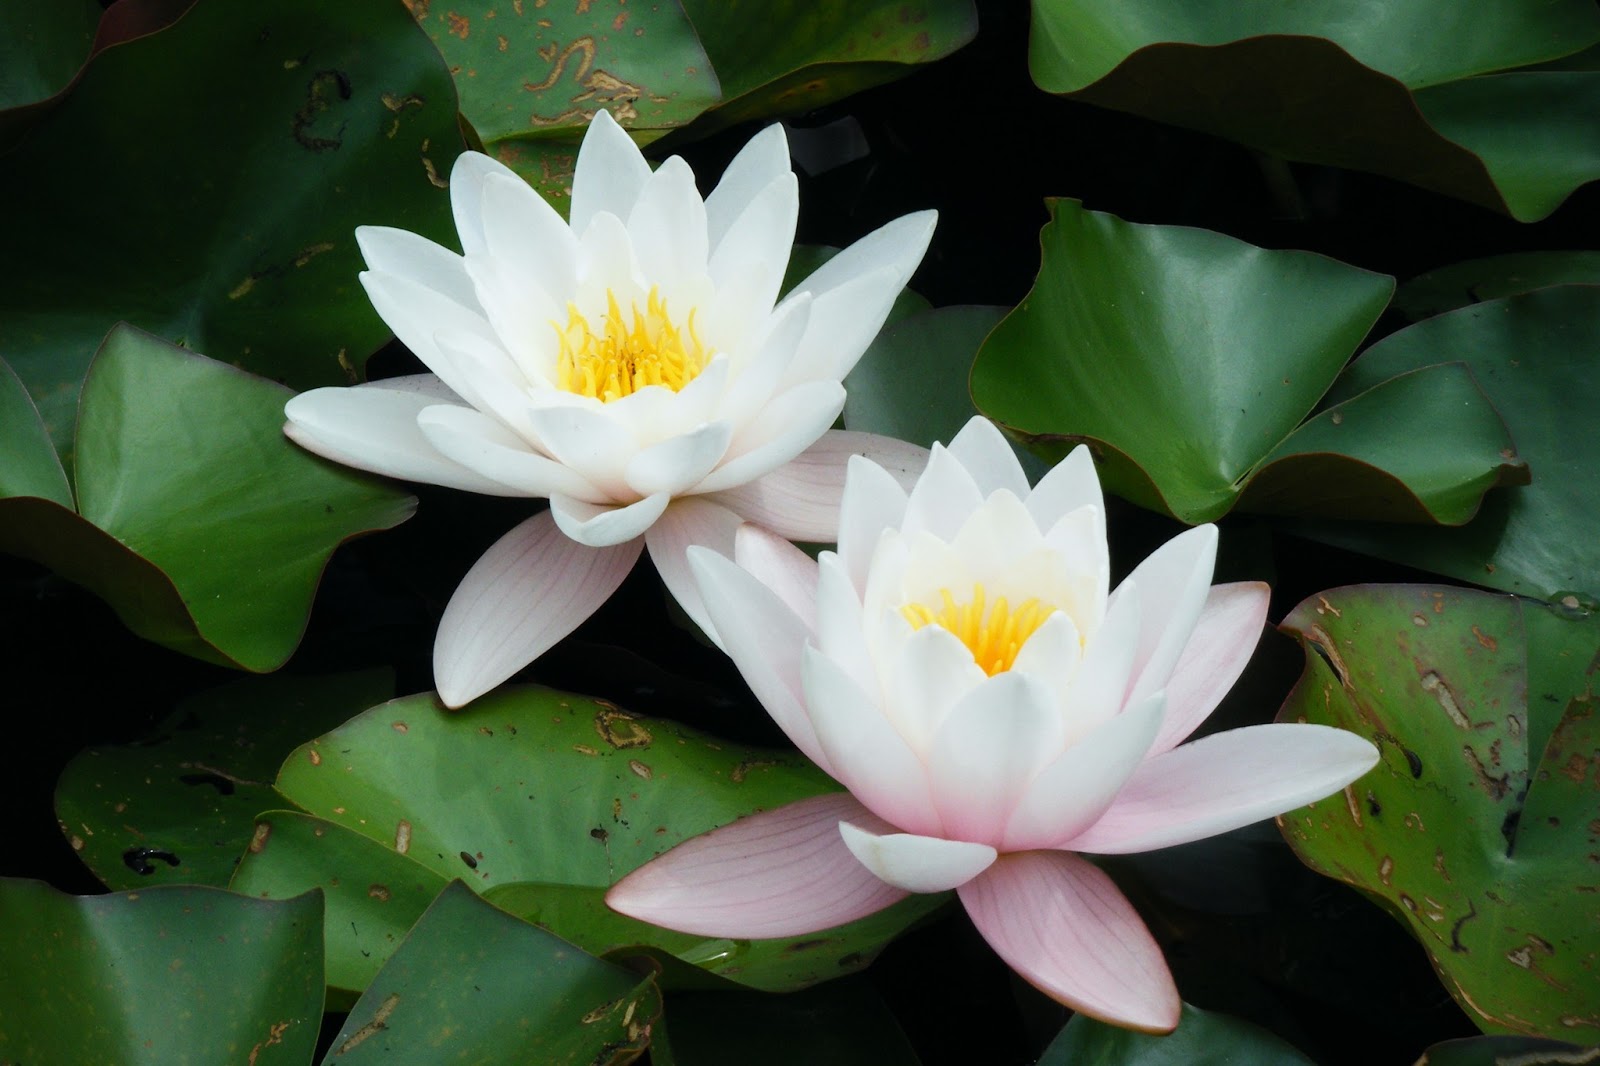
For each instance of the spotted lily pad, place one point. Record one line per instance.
(1480, 828)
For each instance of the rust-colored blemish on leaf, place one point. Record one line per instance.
(243, 287)
(1439, 689)
(1485, 639)
(380, 893)
(741, 771)
(258, 839)
(619, 728)
(1328, 608)
(379, 1022)
(600, 1012)
(400, 727)
(1385, 869)
(311, 252)
(402, 836)
(312, 754)
(639, 768)
(460, 25)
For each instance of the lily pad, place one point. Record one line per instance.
(169, 975)
(1536, 357)
(180, 806)
(1187, 360)
(784, 57)
(842, 1024)
(42, 46)
(1478, 829)
(546, 799)
(1501, 1050)
(314, 118)
(1408, 89)
(196, 520)
(471, 978)
(1476, 280)
(1201, 1039)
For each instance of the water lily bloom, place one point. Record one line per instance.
(635, 367)
(995, 710)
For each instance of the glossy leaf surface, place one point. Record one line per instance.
(1203, 1038)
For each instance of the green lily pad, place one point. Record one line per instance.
(42, 46)
(784, 57)
(1406, 89)
(31, 466)
(1187, 360)
(531, 76)
(197, 520)
(1501, 1050)
(169, 975)
(1478, 829)
(314, 118)
(912, 382)
(842, 1024)
(547, 799)
(1461, 284)
(1535, 356)
(1201, 1039)
(472, 979)
(180, 805)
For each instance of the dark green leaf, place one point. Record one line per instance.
(28, 462)
(42, 46)
(200, 523)
(912, 381)
(180, 806)
(1535, 356)
(1186, 359)
(1475, 280)
(472, 980)
(168, 976)
(1503, 1051)
(247, 143)
(842, 1024)
(1201, 1039)
(554, 797)
(1480, 844)
(783, 57)
(1391, 88)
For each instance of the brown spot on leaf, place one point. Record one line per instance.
(258, 839)
(380, 893)
(379, 1022)
(619, 728)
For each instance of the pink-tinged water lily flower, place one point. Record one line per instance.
(962, 667)
(634, 367)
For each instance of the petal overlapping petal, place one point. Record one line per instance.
(690, 522)
(915, 863)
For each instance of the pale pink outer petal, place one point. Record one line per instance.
(780, 566)
(602, 525)
(784, 872)
(1065, 928)
(802, 499)
(609, 175)
(865, 752)
(689, 521)
(1225, 636)
(531, 588)
(765, 641)
(374, 428)
(1172, 584)
(983, 450)
(763, 159)
(917, 864)
(1224, 781)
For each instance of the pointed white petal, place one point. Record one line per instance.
(416, 313)
(1101, 684)
(609, 175)
(528, 235)
(873, 502)
(1070, 484)
(763, 159)
(917, 863)
(897, 247)
(409, 255)
(927, 675)
(668, 226)
(982, 449)
(480, 443)
(591, 442)
(757, 248)
(677, 465)
(944, 498)
(1172, 584)
(533, 587)
(787, 426)
(780, 566)
(602, 525)
(467, 178)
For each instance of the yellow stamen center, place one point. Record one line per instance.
(630, 350)
(993, 632)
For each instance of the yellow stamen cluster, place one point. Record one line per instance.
(629, 352)
(994, 633)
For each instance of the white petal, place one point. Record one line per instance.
(780, 566)
(668, 227)
(375, 429)
(867, 755)
(1172, 585)
(524, 318)
(927, 675)
(897, 246)
(409, 255)
(1103, 677)
(467, 179)
(982, 449)
(839, 633)
(762, 359)
(675, 466)
(787, 426)
(944, 498)
(757, 249)
(480, 443)
(1053, 654)
(609, 175)
(529, 236)
(593, 443)
(601, 526)
(995, 740)
(688, 522)
(803, 498)
(1224, 781)
(1083, 781)
(416, 313)
(765, 641)
(873, 502)
(917, 863)
(606, 263)
(1224, 637)
(1069, 485)
(843, 322)
(764, 158)
(533, 587)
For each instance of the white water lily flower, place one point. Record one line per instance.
(634, 367)
(962, 666)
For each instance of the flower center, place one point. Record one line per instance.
(993, 632)
(630, 350)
